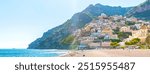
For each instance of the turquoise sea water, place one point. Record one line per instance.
(30, 53)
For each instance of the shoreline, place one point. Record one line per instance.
(109, 53)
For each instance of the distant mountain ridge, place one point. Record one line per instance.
(141, 11)
(52, 39)
(97, 9)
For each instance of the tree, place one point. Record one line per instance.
(115, 40)
(133, 41)
(123, 47)
(68, 40)
(129, 23)
(114, 44)
(124, 35)
(116, 31)
(128, 43)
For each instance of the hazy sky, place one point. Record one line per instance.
(22, 21)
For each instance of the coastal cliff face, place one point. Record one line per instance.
(53, 38)
(141, 11)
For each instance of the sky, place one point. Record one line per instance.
(23, 21)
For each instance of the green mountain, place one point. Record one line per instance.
(141, 11)
(59, 37)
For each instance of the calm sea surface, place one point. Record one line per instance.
(31, 53)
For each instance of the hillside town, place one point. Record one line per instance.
(113, 32)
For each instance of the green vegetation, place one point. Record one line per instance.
(115, 40)
(129, 23)
(143, 46)
(121, 35)
(116, 31)
(114, 44)
(133, 41)
(74, 45)
(124, 35)
(123, 47)
(68, 40)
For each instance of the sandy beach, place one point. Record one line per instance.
(109, 53)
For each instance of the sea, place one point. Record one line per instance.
(31, 52)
